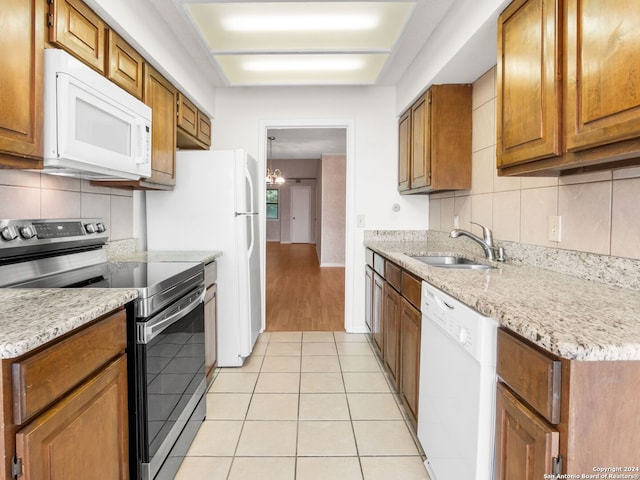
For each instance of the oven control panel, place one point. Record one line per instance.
(18, 237)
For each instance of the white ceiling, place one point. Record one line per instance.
(305, 143)
(198, 24)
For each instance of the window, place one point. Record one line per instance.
(272, 203)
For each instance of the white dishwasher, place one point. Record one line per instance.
(456, 411)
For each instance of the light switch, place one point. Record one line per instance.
(360, 221)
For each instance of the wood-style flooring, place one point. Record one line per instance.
(301, 296)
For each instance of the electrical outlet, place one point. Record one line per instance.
(360, 221)
(555, 228)
(456, 221)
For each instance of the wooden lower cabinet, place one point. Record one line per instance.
(210, 331)
(525, 444)
(368, 296)
(392, 305)
(377, 312)
(410, 328)
(83, 436)
(64, 412)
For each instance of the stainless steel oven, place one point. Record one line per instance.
(165, 350)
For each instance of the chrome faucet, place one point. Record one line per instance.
(490, 250)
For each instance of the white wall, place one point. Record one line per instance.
(240, 112)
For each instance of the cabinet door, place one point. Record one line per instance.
(525, 443)
(204, 129)
(410, 326)
(528, 82)
(210, 331)
(376, 311)
(391, 325)
(124, 65)
(76, 28)
(404, 151)
(421, 142)
(21, 63)
(84, 435)
(602, 104)
(368, 296)
(187, 115)
(160, 95)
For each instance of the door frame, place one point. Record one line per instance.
(350, 215)
(298, 188)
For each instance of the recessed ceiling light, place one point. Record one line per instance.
(303, 65)
(300, 23)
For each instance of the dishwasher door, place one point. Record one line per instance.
(457, 389)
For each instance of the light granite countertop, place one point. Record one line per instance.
(203, 256)
(32, 317)
(567, 316)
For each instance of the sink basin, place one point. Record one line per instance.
(453, 262)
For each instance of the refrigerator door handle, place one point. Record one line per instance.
(239, 214)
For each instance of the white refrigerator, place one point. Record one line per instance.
(215, 205)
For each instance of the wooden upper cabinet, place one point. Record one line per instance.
(404, 151)
(194, 127)
(76, 28)
(436, 139)
(603, 64)
(21, 91)
(567, 86)
(161, 96)
(529, 98)
(421, 142)
(124, 65)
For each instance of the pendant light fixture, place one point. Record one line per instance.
(273, 176)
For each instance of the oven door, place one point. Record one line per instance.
(171, 377)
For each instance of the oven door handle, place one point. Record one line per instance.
(147, 331)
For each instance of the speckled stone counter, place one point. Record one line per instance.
(167, 256)
(32, 317)
(568, 316)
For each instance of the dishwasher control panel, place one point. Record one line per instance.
(473, 331)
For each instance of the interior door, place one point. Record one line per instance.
(300, 214)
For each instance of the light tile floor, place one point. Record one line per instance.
(305, 406)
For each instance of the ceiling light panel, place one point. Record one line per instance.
(313, 69)
(300, 26)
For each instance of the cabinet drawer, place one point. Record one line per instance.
(42, 378)
(392, 274)
(378, 264)
(411, 288)
(533, 375)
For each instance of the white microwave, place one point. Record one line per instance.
(93, 129)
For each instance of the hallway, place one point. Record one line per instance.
(301, 296)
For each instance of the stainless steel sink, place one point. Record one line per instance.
(452, 262)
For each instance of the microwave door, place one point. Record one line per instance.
(96, 132)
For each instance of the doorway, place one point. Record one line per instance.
(300, 214)
(300, 294)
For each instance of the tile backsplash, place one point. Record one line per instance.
(599, 210)
(27, 194)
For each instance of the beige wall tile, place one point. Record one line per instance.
(537, 205)
(85, 186)
(447, 209)
(483, 167)
(59, 204)
(57, 182)
(96, 205)
(19, 178)
(121, 217)
(462, 208)
(482, 210)
(484, 88)
(506, 216)
(586, 216)
(585, 178)
(19, 202)
(539, 182)
(505, 184)
(434, 213)
(484, 126)
(626, 173)
(625, 221)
